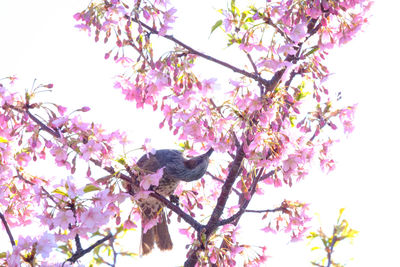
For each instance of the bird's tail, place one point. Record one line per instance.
(158, 234)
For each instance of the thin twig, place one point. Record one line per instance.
(80, 253)
(196, 52)
(267, 210)
(42, 125)
(19, 175)
(269, 22)
(245, 202)
(112, 171)
(10, 236)
(256, 73)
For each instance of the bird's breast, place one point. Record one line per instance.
(167, 185)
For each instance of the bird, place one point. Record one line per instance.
(176, 168)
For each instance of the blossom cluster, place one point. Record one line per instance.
(64, 208)
(270, 118)
(273, 113)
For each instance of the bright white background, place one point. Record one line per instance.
(38, 40)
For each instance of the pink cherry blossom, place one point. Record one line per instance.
(60, 154)
(90, 148)
(151, 179)
(93, 218)
(64, 219)
(45, 244)
(298, 32)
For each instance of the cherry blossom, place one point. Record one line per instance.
(151, 179)
(64, 219)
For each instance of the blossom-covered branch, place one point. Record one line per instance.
(198, 53)
(267, 126)
(82, 252)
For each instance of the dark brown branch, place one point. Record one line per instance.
(10, 236)
(245, 201)
(186, 217)
(268, 174)
(226, 190)
(257, 73)
(109, 169)
(42, 125)
(291, 77)
(241, 211)
(267, 210)
(213, 222)
(196, 225)
(269, 22)
(200, 54)
(80, 253)
(312, 29)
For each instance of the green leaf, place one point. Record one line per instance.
(233, 5)
(61, 191)
(90, 188)
(312, 51)
(216, 25)
(185, 145)
(121, 161)
(292, 120)
(3, 255)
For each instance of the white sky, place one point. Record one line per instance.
(38, 40)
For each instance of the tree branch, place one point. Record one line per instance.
(112, 171)
(213, 222)
(200, 54)
(312, 29)
(19, 175)
(186, 217)
(55, 134)
(282, 33)
(267, 210)
(81, 252)
(10, 236)
(192, 222)
(225, 191)
(42, 125)
(245, 201)
(256, 73)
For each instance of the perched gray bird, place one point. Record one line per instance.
(177, 168)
